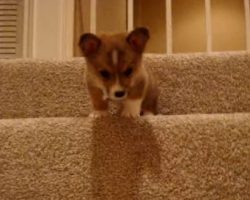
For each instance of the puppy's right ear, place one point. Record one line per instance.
(138, 38)
(89, 44)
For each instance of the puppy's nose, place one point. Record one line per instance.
(119, 94)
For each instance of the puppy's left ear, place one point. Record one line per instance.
(138, 38)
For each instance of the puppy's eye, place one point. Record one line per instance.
(128, 71)
(105, 74)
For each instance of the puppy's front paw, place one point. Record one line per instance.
(130, 113)
(131, 108)
(147, 113)
(98, 114)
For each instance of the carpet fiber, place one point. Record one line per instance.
(198, 148)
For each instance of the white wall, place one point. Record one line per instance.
(228, 25)
(49, 29)
(111, 16)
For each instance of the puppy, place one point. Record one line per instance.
(115, 73)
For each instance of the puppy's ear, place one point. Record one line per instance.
(138, 38)
(89, 44)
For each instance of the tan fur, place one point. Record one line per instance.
(139, 85)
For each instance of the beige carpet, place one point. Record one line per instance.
(49, 149)
(190, 84)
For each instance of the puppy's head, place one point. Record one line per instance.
(115, 59)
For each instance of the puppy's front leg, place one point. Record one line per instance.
(131, 108)
(100, 105)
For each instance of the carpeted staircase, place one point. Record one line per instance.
(198, 148)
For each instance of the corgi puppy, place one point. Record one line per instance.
(115, 73)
